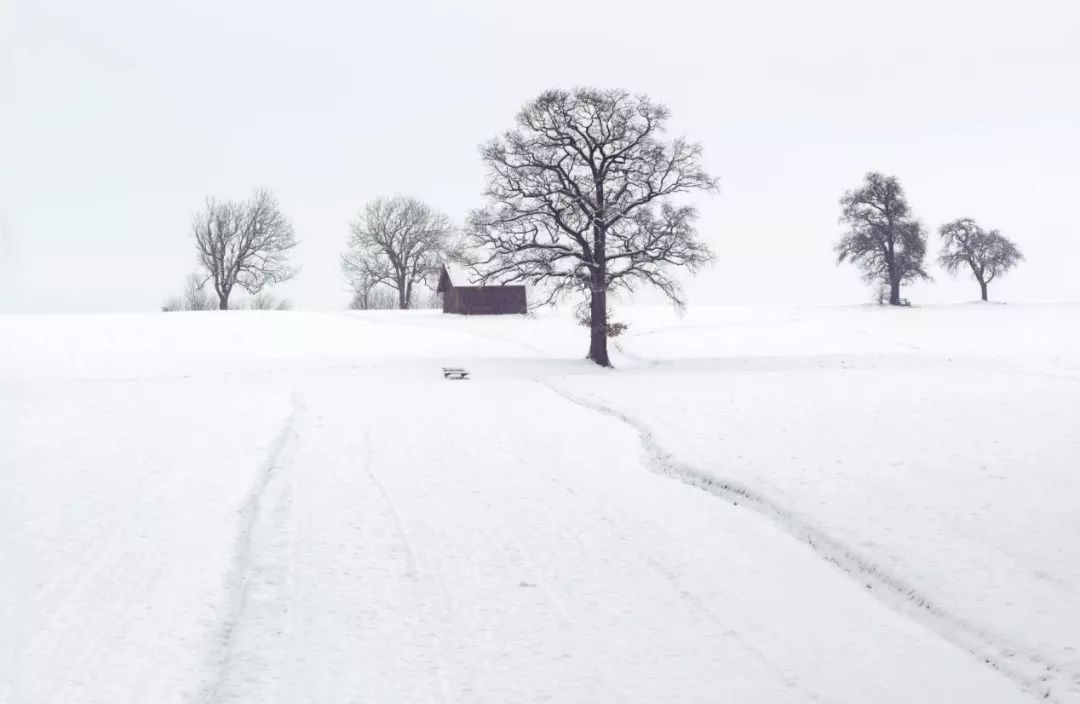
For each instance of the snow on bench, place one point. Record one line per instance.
(454, 373)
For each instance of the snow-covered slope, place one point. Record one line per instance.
(937, 460)
(291, 507)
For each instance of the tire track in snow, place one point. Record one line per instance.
(239, 576)
(399, 527)
(889, 588)
(411, 572)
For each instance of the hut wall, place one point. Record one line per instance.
(485, 300)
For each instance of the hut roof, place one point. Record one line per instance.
(459, 276)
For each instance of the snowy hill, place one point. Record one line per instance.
(769, 505)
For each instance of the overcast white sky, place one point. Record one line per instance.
(117, 117)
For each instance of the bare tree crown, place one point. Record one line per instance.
(244, 244)
(988, 254)
(578, 196)
(398, 242)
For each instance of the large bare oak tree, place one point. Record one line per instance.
(987, 254)
(398, 242)
(884, 239)
(244, 244)
(578, 201)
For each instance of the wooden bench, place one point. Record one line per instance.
(454, 373)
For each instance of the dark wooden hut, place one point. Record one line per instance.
(461, 294)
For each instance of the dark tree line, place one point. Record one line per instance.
(889, 244)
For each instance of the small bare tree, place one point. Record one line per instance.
(172, 304)
(195, 296)
(244, 244)
(884, 239)
(361, 299)
(399, 242)
(264, 300)
(987, 254)
(363, 279)
(362, 290)
(579, 202)
(373, 298)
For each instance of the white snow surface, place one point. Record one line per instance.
(783, 504)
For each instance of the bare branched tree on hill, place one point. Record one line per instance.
(885, 240)
(244, 244)
(579, 202)
(987, 254)
(398, 242)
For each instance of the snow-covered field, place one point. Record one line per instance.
(759, 505)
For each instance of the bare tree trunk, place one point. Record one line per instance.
(402, 294)
(978, 272)
(598, 316)
(223, 301)
(894, 293)
(894, 280)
